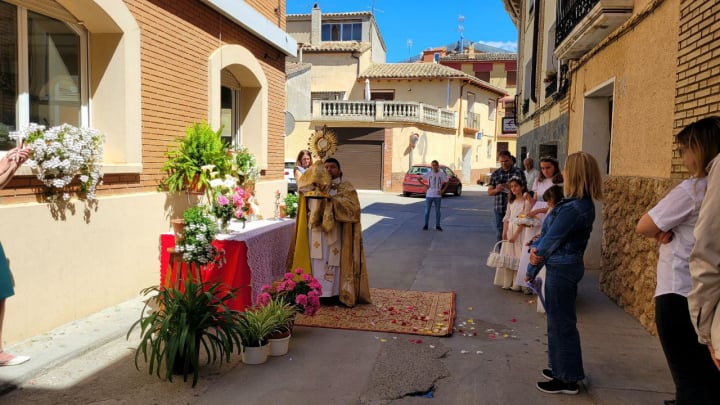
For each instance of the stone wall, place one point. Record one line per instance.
(629, 261)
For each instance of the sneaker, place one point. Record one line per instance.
(556, 386)
(547, 373)
(425, 228)
(438, 228)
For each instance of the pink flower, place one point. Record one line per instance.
(263, 299)
(306, 277)
(289, 285)
(301, 300)
(288, 276)
(314, 284)
(222, 200)
(299, 271)
(238, 200)
(266, 288)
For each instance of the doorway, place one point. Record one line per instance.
(597, 140)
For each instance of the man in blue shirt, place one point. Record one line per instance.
(499, 189)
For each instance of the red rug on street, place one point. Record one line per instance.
(396, 311)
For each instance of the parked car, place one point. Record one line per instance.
(411, 185)
(290, 176)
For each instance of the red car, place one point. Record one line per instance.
(412, 186)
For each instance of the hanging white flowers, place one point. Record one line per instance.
(61, 153)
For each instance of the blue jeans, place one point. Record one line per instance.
(428, 203)
(565, 355)
(499, 225)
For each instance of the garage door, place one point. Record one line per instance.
(361, 164)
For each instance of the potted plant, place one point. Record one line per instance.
(177, 322)
(550, 76)
(201, 151)
(255, 327)
(244, 166)
(291, 205)
(228, 201)
(296, 288)
(284, 315)
(198, 234)
(63, 153)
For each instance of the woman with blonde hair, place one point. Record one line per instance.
(561, 251)
(672, 222)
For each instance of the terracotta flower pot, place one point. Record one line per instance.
(178, 229)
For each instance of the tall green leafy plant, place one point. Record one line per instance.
(200, 152)
(183, 322)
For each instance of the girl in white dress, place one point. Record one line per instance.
(512, 231)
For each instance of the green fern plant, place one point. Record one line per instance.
(201, 147)
(176, 324)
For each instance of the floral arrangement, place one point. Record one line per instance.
(199, 232)
(297, 288)
(63, 152)
(291, 205)
(525, 220)
(228, 201)
(244, 165)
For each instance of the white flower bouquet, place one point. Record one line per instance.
(61, 153)
(525, 220)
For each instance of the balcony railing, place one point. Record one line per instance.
(383, 111)
(582, 24)
(472, 121)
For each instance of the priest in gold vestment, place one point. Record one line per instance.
(328, 236)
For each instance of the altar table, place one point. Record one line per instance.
(255, 256)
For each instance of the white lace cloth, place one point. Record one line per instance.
(268, 242)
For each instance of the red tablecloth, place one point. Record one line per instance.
(267, 242)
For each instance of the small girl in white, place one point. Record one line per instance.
(512, 231)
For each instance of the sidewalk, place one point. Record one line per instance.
(90, 360)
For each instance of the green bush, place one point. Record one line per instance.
(291, 205)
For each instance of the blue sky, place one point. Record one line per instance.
(426, 23)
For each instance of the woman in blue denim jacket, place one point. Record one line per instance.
(561, 247)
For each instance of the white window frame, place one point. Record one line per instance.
(22, 103)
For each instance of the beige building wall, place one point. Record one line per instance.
(643, 96)
(332, 71)
(641, 80)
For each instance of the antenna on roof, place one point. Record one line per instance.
(461, 29)
(409, 46)
(373, 9)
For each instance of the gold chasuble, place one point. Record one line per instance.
(341, 207)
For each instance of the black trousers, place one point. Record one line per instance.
(697, 380)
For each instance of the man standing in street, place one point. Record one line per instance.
(500, 190)
(530, 173)
(435, 182)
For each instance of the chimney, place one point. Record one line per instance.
(471, 50)
(315, 26)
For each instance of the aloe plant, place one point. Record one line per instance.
(201, 146)
(184, 322)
